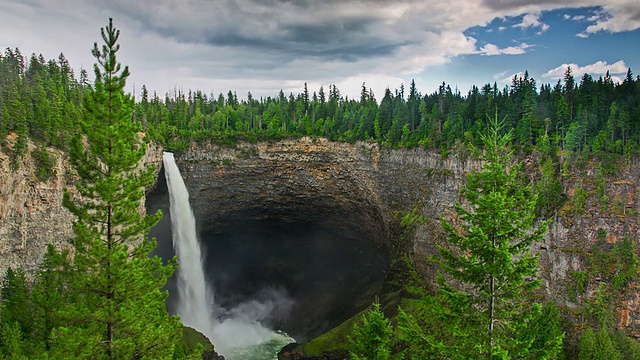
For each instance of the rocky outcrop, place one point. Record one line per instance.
(31, 211)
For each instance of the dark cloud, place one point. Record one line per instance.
(517, 4)
(285, 29)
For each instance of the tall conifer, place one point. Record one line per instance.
(482, 309)
(488, 262)
(118, 310)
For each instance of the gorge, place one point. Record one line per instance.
(312, 226)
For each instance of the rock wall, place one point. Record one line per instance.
(31, 211)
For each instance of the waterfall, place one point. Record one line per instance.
(240, 335)
(195, 299)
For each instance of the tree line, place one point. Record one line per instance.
(42, 99)
(592, 115)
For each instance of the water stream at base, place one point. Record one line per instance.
(236, 333)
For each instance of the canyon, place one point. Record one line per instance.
(313, 226)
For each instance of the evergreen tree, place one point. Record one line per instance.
(488, 262)
(545, 335)
(11, 344)
(587, 346)
(597, 346)
(15, 305)
(48, 295)
(117, 310)
(374, 338)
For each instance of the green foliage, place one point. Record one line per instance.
(544, 334)
(587, 347)
(15, 307)
(489, 254)
(618, 264)
(373, 339)
(550, 196)
(116, 307)
(412, 218)
(38, 99)
(422, 329)
(607, 345)
(11, 345)
(577, 284)
(44, 164)
(601, 308)
(579, 201)
(42, 99)
(615, 266)
(483, 308)
(597, 346)
(192, 345)
(626, 265)
(628, 347)
(48, 296)
(334, 340)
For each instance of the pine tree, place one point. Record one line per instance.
(15, 305)
(117, 309)
(597, 346)
(48, 296)
(11, 344)
(374, 338)
(545, 334)
(488, 262)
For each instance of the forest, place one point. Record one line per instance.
(43, 101)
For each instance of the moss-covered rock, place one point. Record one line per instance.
(193, 340)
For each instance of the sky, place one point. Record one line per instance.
(263, 46)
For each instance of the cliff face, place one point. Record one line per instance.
(31, 211)
(356, 191)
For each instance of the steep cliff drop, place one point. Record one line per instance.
(236, 333)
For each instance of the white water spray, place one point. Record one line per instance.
(240, 335)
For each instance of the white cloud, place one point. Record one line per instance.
(574, 18)
(491, 49)
(597, 68)
(616, 16)
(532, 21)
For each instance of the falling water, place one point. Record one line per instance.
(240, 335)
(195, 299)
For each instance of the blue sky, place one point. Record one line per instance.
(263, 46)
(556, 39)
